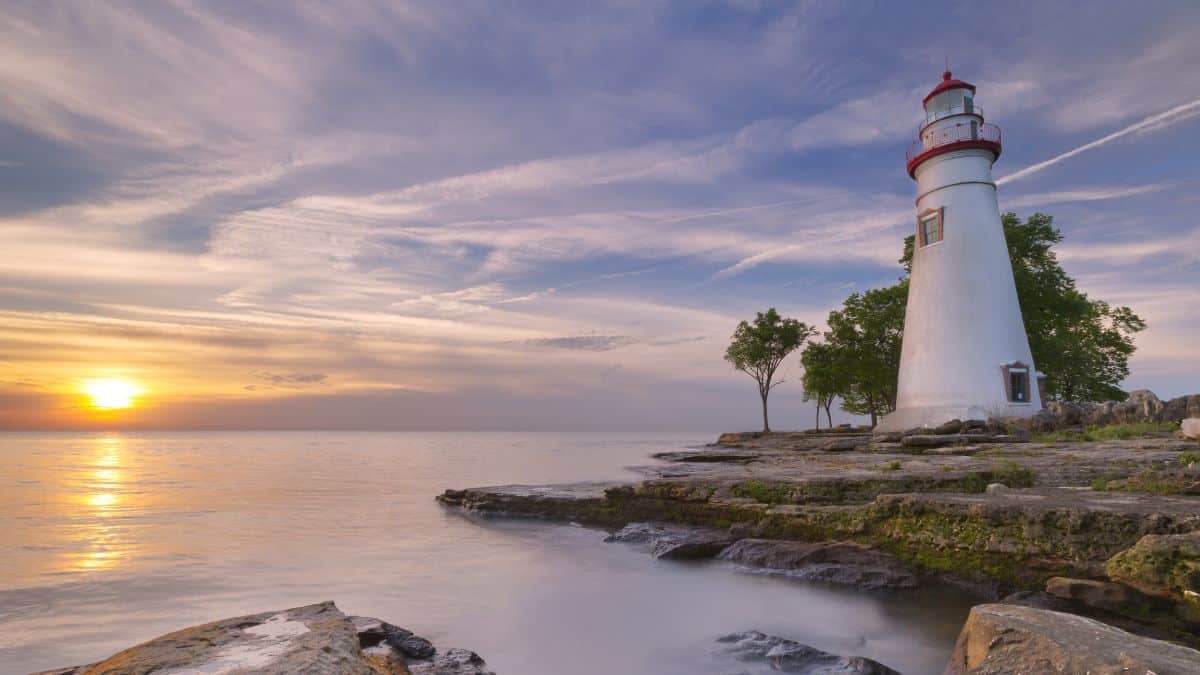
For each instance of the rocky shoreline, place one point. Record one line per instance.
(312, 639)
(1071, 540)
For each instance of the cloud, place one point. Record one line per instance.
(1175, 115)
(589, 343)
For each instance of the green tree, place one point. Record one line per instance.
(824, 378)
(759, 348)
(1082, 345)
(864, 337)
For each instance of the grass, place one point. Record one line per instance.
(763, 492)
(1189, 458)
(893, 465)
(1108, 432)
(1012, 473)
(1151, 481)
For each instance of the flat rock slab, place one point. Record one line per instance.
(835, 562)
(674, 542)
(1016, 640)
(788, 656)
(311, 639)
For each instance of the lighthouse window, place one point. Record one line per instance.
(929, 227)
(1016, 382)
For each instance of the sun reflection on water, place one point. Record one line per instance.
(103, 499)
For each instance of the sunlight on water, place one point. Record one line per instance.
(110, 539)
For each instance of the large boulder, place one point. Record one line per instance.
(1190, 427)
(1002, 639)
(834, 562)
(1141, 406)
(312, 639)
(789, 656)
(1164, 565)
(674, 542)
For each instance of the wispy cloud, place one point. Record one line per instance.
(1175, 115)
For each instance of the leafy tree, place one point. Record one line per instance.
(759, 348)
(824, 378)
(864, 337)
(1082, 345)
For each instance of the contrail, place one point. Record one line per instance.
(1150, 121)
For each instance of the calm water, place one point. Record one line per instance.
(107, 540)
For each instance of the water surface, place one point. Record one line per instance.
(110, 539)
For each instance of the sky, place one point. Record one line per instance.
(538, 215)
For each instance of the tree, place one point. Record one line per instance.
(759, 348)
(1082, 345)
(864, 339)
(824, 378)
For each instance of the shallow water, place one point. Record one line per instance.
(110, 539)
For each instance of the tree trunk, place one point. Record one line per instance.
(828, 417)
(766, 425)
(871, 405)
(818, 415)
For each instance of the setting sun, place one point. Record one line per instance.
(111, 394)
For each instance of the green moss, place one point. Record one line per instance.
(763, 492)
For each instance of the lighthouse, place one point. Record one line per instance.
(965, 353)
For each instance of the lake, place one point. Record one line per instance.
(110, 539)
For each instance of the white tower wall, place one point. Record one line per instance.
(963, 324)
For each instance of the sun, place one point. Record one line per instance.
(111, 393)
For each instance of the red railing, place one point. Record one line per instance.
(931, 139)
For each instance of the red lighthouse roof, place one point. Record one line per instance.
(948, 82)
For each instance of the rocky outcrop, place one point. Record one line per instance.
(835, 562)
(1164, 566)
(1000, 639)
(312, 639)
(789, 656)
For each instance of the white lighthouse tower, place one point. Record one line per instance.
(965, 354)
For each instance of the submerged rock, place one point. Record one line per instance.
(674, 542)
(1018, 640)
(789, 656)
(312, 639)
(834, 562)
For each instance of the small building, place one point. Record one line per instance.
(965, 353)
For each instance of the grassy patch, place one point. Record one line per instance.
(1151, 481)
(893, 465)
(1189, 458)
(763, 492)
(1012, 473)
(1108, 432)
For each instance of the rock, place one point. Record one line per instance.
(1190, 427)
(1181, 408)
(312, 639)
(691, 544)
(888, 437)
(939, 440)
(1069, 413)
(674, 542)
(454, 662)
(1002, 639)
(951, 427)
(834, 562)
(1141, 406)
(1098, 594)
(789, 656)
(996, 488)
(1164, 565)
(636, 533)
(1044, 420)
(844, 444)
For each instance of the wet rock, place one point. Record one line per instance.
(312, 639)
(1000, 639)
(691, 544)
(637, 533)
(789, 656)
(834, 562)
(674, 542)
(454, 662)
